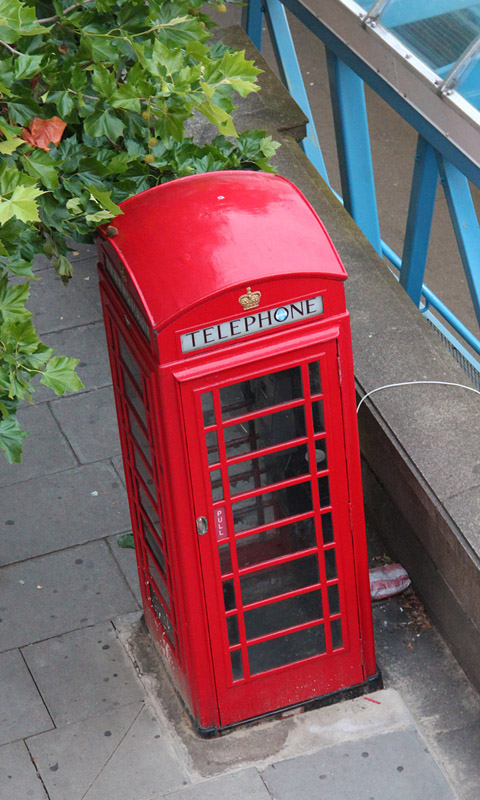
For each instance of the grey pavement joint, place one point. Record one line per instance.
(123, 755)
(18, 779)
(22, 710)
(46, 449)
(60, 592)
(235, 786)
(90, 423)
(83, 673)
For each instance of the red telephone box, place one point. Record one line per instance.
(231, 359)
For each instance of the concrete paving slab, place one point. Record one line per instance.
(22, 711)
(415, 659)
(236, 786)
(18, 778)
(127, 562)
(60, 592)
(257, 745)
(83, 673)
(394, 765)
(60, 510)
(88, 344)
(458, 752)
(90, 423)
(57, 306)
(117, 462)
(45, 450)
(124, 755)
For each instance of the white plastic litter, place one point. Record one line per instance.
(388, 580)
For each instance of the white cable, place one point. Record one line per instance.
(412, 383)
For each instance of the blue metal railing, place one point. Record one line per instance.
(437, 158)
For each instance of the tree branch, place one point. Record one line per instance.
(67, 11)
(12, 49)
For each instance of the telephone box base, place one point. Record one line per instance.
(371, 685)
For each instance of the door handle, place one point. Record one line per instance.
(202, 525)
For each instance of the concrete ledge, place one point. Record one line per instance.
(420, 444)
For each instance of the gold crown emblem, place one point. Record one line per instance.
(249, 299)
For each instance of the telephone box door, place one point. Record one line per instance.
(269, 480)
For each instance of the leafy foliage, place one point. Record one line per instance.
(94, 97)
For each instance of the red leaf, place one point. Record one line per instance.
(42, 132)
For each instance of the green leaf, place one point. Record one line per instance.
(103, 81)
(75, 205)
(27, 66)
(18, 19)
(21, 205)
(127, 97)
(98, 217)
(126, 540)
(104, 123)
(217, 116)
(164, 60)
(233, 70)
(60, 375)
(11, 439)
(63, 267)
(23, 110)
(8, 146)
(105, 200)
(40, 165)
(12, 302)
(64, 103)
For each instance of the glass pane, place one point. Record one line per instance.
(272, 506)
(333, 599)
(139, 436)
(229, 595)
(225, 559)
(212, 447)
(327, 528)
(130, 362)
(143, 471)
(134, 398)
(159, 581)
(216, 484)
(276, 543)
(267, 469)
(330, 564)
(263, 392)
(468, 83)
(279, 579)
(149, 510)
(439, 39)
(315, 382)
(233, 632)
(324, 491)
(161, 614)
(321, 455)
(337, 638)
(286, 649)
(284, 614)
(237, 667)
(318, 418)
(263, 432)
(207, 409)
(154, 546)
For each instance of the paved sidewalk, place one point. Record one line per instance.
(76, 720)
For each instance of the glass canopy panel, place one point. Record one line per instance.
(438, 32)
(468, 83)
